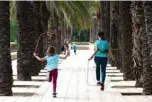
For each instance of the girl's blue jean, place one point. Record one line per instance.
(101, 63)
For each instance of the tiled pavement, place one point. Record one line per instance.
(73, 87)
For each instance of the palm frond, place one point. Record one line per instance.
(76, 13)
(12, 10)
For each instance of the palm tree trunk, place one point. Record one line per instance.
(58, 41)
(44, 16)
(58, 35)
(70, 33)
(52, 30)
(65, 30)
(107, 20)
(93, 33)
(126, 40)
(147, 84)
(91, 36)
(119, 43)
(38, 31)
(24, 57)
(62, 34)
(102, 4)
(31, 31)
(138, 21)
(6, 79)
(114, 28)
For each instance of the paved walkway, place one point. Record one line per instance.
(73, 87)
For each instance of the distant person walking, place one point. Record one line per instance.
(101, 58)
(74, 48)
(65, 45)
(67, 50)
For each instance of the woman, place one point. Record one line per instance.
(101, 58)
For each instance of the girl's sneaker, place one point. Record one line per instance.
(54, 95)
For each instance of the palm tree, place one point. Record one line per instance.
(32, 32)
(107, 20)
(147, 56)
(114, 30)
(58, 37)
(44, 17)
(34, 23)
(6, 79)
(126, 39)
(138, 22)
(94, 10)
(70, 13)
(102, 5)
(24, 57)
(38, 30)
(119, 62)
(93, 29)
(70, 33)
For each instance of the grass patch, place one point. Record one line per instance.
(81, 43)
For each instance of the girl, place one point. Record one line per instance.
(52, 63)
(101, 58)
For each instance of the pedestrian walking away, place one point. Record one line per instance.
(100, 55)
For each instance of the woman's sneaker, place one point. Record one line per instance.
(54, 94)
(102, 86)
(98, 83)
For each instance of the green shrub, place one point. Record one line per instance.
(13, 30)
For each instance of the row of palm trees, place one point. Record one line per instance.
(128, 28)
(41, 23)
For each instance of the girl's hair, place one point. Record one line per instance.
(51, 51)
(101, 35)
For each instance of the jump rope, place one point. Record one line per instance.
(37, 43)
